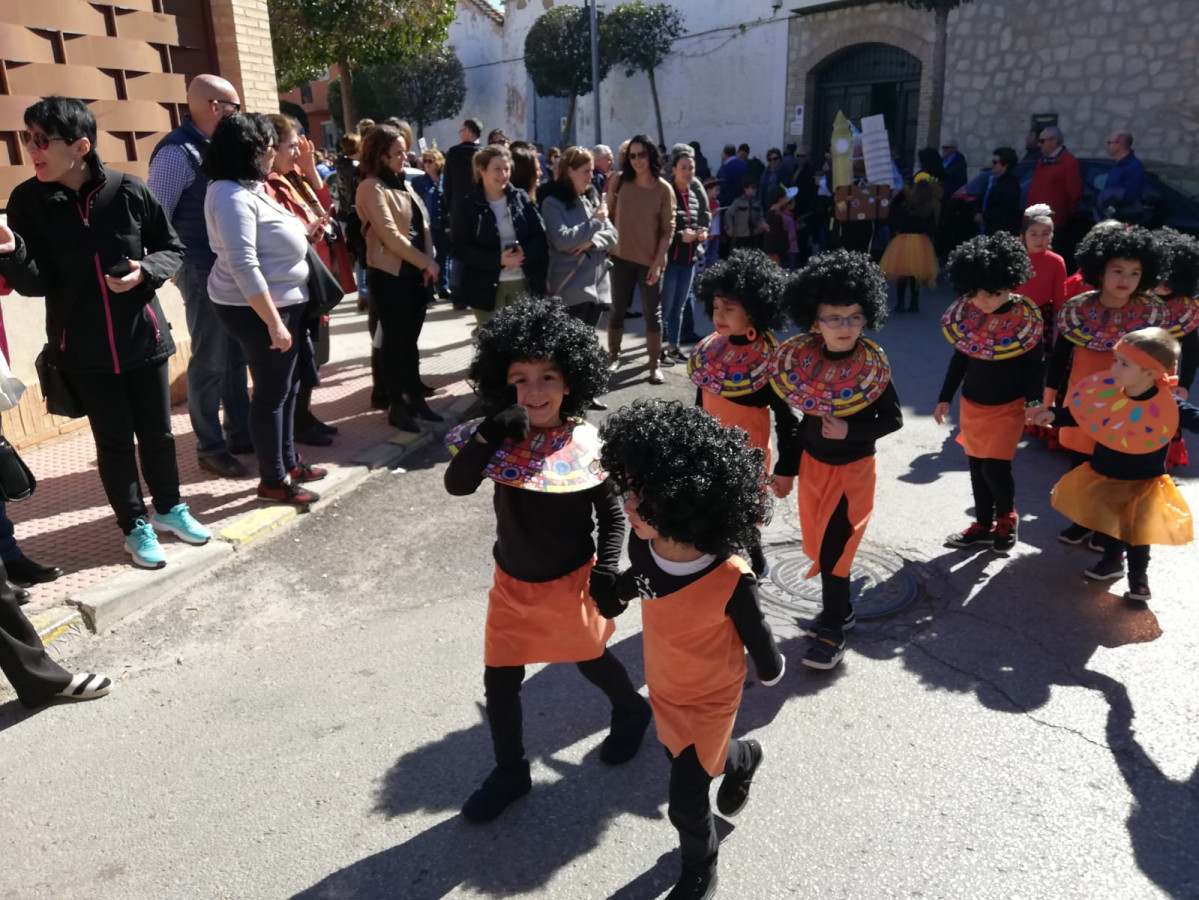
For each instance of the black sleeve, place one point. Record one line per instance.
(1188, 416)
(536, 247)
(462, 236)
(1062, 417)
(609, 514)
(20, 268)
(1059, 364)
(958, 364)
(464, 474)
(787, 436)
(164, 249)
(746, 612)
(1034, 373)
(1189, 363)
(887, 419)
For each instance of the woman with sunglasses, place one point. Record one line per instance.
(97, 245)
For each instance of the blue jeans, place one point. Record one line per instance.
(216, 372)
(676, 287)
(8, 541)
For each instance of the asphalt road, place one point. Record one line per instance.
(307, 721)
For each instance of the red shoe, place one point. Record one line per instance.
(304, 472)
(289, 493)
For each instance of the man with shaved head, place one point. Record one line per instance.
(1123, 194)
(216, 372)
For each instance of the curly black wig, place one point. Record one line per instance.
(533, 330)
(838, 278)
(993, 263)
(1179, 262)
(1103, 244)
(752, 279)
(698, 482)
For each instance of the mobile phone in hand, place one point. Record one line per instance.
(121, 269)
(513, 245)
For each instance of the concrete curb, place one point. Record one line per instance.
(103, 605)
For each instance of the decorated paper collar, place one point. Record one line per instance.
(814, 384)
(558, 460)
(719, 366)
(993, 336)
(1184, 315)
(1115, 420)
(1086, 322)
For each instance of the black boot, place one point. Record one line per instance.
(421, 410)
(504, 785)
(9, 592)
(399, 417)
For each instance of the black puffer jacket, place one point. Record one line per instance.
(476, 245)
(66, 241)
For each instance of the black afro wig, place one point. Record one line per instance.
(1103, 244)
(1179, 262)
(698, 482)
(752, 279)
(993, 263)
(535, 330)
(838, 278)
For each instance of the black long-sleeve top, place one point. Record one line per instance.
(1058, 370)
(541, 536)
(994, 382)
(786, 426)
(879, 419)
(1132, 466)
(1188, 364)
(644, 578)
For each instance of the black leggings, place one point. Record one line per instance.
(398, 303)
(835, 588)
(501, 686)
(901, 288)
(994, 489)
(690, 808)
(1138, 556)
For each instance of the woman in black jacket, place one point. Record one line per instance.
(498, 239)
(96, 244)
(1001, 208)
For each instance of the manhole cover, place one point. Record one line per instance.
(880, 584)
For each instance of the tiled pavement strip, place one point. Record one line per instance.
(68, 521)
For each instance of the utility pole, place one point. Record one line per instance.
(595, 67)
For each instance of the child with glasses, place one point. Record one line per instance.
(841, 382)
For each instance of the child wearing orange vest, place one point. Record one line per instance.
(1123, 492)
(731, 367)
(1178, 287)
(695, 493)
(998, 360)
(1123, 261)
(538, 368)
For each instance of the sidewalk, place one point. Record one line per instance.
(68, 521)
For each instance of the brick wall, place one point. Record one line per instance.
(242, 32)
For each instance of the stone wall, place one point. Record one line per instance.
(242, 31)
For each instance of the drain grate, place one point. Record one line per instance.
(880, 584)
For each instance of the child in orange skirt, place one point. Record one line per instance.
(538, 368)
(841, 382)
(731, 367)
(998, 359)
(695, 494)
(1178, 287)
(1123, 493)
(1123, 261)
(909, 260)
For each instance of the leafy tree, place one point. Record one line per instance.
(310, 35)
(940, 9)
(640, 37)
(423, 89)
(558, 56)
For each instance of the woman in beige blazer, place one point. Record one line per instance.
(400, 273)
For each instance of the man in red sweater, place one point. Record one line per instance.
(1057, 180)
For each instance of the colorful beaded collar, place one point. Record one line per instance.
(558, 460)
(814, 384)
(718, 366)
(993, 336)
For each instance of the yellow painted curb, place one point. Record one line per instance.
(54, 623)
(407, 438)
(256, 524)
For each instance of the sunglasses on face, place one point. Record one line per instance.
(640, 154)
(236, 107)
(39, 139)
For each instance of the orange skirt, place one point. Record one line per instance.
(544, 622)
(1084, 364)
(1137, 512)
(821, 488)
(910, 256)
(991, 432)
(754, 420)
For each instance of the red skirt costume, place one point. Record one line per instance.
(551, 621)
(695, 665)
(810, 382)
(1095, 330)
(992, 432)
(723, 370)
(1148, 511)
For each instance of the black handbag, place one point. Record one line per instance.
(60, 399)
(16, 481)
(324, 291)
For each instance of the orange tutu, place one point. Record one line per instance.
(1152, 511)
(910, 256)
(991, 432)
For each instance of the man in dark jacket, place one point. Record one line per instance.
(1000, 208)
(216, 371)
(956, 171)
(457, 180)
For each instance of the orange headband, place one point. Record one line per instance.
(1139, 357)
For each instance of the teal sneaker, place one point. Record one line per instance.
(142, 544)
(181, 523)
